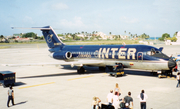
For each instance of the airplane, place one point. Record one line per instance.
(131, 56)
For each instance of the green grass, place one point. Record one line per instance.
(95, 42)
(25, 42)
(3, 47)
(102, 42)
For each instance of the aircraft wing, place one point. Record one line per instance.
(72, 63)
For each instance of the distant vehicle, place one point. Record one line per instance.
(131, 56)
(7, 78)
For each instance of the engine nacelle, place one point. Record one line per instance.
(62, 55)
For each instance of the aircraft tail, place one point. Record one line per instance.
(51, 37)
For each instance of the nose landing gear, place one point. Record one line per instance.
(164, 73)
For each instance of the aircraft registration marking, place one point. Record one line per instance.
(80, 77)
(36, 85)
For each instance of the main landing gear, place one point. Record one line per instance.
(102, 68)
(80, 70)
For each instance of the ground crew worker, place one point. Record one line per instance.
(10, 96)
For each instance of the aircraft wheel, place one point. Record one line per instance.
(81, 70)
(154, 73)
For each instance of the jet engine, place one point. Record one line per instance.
(62, 55)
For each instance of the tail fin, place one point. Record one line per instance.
(51, 37)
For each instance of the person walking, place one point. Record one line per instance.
(178, 79)
(10, 96)
(142, 97)
(128, 99)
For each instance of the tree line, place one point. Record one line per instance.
(93, 36)
(166, 36)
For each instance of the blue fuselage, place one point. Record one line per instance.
(118, 52)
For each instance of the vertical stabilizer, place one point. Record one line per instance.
(51, 37)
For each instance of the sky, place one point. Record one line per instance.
(152, 17)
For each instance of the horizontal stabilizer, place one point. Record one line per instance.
(38, 28)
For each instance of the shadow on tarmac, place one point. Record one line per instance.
(91, 70)
(19, 84)
(143, 73)
(139, 73)
(49, 75)
(21, 103)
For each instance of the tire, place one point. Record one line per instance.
(80, 70)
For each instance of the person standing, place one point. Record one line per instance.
(10, 96)
(128, 99)
(117, 89)
(110, 97)
(178, 79)
(116, 101)
(142, 97)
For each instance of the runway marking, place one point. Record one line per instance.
(36, 85)
(80, 77)
(172, 78)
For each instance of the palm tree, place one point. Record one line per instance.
(1, 37)
(93, 33)
(109, 33)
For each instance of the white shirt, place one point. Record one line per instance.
(178, 77)
(115, 101)
(145, 97)
(110, 97)
(10, 91)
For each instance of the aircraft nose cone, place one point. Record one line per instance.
(171, 63)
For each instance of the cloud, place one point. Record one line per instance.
(165, 20)
(28, 19)
(75, 23)
(129, 20)
(166, 7)
(59, 6)
(148, 27)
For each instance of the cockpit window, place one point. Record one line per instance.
(158, 52)
(149, 53)
(153, 52)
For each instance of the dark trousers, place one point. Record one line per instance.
(178, 83)
(12, 100)
(143, 105)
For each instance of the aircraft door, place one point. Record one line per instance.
(140, 56)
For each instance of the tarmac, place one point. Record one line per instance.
(60, 87)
